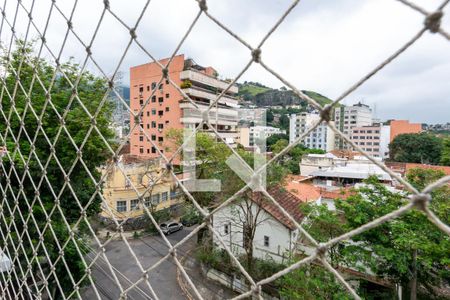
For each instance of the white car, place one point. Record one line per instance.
(169, 227)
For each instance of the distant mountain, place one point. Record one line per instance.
(261, 95)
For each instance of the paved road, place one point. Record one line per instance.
(163, 279)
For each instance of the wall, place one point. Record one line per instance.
(281, 238)
(402, 127)
(115, 188)
(143, 76)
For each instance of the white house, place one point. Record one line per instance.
(275, 234)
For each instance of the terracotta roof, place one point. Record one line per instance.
(343, 193)
(287, 200)
(305, 192)
(403, 168)
(444, 169)
(345, 153)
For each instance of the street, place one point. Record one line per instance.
(163, 279)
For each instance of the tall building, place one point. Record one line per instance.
(322, 137)
(402, 127)
(248, 136)
(167, 108)
(348, 117)
(374, 139)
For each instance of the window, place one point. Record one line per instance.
(153, 137)
(167, 95)
(148, 114)
(160, 99)
(167, 122)
(153, 150)
(121, 206)
(160, 86)
(141, 138)
(141, 150)
(160, 126)
(141, 89)
(226, 229)
(153, 99)
(167, 108)
(153, 124)
(153, 111)
(160, 139)
(148, 126)
(160, 113)
(153, 85)
(167, 81)
(148, 151)
(164, 196)
(155, 199)
(148, 88)
(147, 202)
(266, 241)
(134, 204)
(141, 102)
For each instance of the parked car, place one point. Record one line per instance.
(169, 227)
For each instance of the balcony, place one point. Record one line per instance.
(208, 80)
(205, 94)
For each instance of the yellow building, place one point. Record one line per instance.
(133, 176)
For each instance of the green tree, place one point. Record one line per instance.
(271, 140)
(29, 145)
(211, 156)
(409, 249)
(284, 122)
(416, 148)
(445, 156)
(311, 282)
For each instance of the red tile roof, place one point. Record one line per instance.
(286, 200)
(305, 192)
(343, 193)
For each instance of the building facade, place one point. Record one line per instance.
(146, 177)
(249, 136)
(349, 117)
(373, 139)
(322, 137)
(165, 106)
(275, 235)
(402, 127)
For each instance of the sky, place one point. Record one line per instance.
(324, 46)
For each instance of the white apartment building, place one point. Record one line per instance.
(349, 117)
(248, 136)
(373, 139)
(322, 137)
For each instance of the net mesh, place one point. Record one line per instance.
(27, 223)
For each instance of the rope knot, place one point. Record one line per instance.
(325, 114)
(433, 21)
(256, 55)
(203, 6)
(421, 200)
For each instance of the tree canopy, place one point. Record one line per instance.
(45, 120)
(416, 148)
(406, 250)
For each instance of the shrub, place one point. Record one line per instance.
(186, 84)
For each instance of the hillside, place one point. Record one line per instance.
(261, 95)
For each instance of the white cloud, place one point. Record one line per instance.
(323, 46)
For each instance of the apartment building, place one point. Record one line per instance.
(402, 127)
(167, 108)
(135, 173)
(322, 137)
(248, 136)
(349, 117)
(373, 139)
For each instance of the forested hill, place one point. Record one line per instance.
(261, 95)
